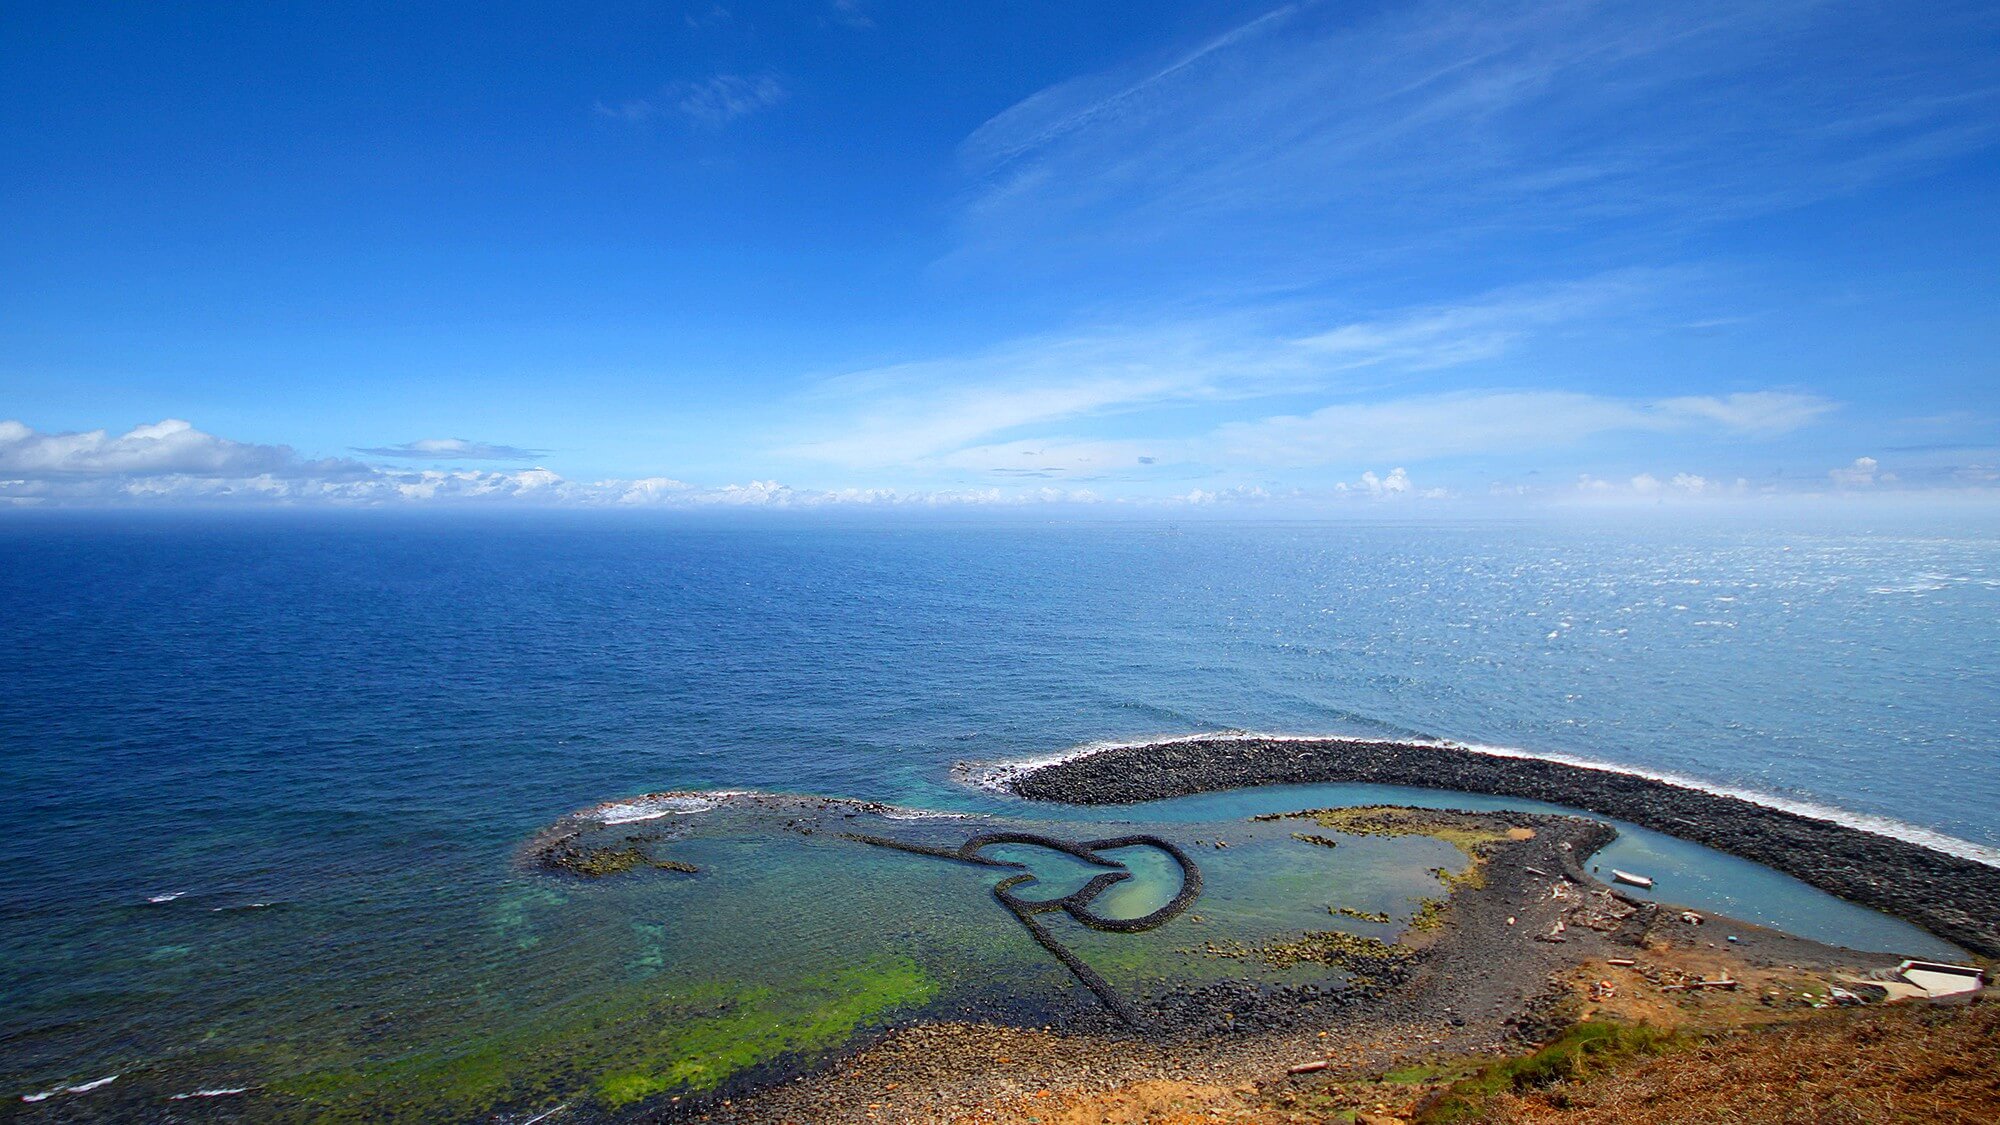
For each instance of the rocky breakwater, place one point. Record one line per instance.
(1956, 898)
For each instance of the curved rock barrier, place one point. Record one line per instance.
(1076, 904)
(1955, 898)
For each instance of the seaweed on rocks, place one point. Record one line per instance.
(1379, 917)
(567, 853)
(1351, 953)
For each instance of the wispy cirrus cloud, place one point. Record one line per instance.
(912, 413)
(452, 449)
(1410, 428)
(850, 14)
(1481, 422)
(1312, 140)
(1322, 149)
(710, 102)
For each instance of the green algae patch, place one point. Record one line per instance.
(1351, 953)
(1430, 916)
(1475, 834)
(760, 1026)
(1379, 917)
(692, 1042)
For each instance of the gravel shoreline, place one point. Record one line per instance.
(1955, 898)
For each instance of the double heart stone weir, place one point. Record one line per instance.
(1076, 904)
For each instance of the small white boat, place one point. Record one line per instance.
(1635, 880)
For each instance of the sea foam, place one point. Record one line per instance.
(653, 806)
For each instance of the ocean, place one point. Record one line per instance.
(321, 741)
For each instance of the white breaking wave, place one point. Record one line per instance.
(168, 897)
(1000, 777)
(218, 1092)
(656, 805)
(894, 812)
(80, 1088)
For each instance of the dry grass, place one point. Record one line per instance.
(1875, 1066)
(1864, 1067)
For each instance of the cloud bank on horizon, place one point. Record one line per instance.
(1311, 257)
(173, 462)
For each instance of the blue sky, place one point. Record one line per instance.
(815, 253)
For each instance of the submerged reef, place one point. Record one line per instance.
(599, 860)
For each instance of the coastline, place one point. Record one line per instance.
(1479, 982)
(1505, 961)
(1519, 957)
(1955, 897)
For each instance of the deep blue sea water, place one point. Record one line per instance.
(364, 715)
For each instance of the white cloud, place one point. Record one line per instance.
(1239, 494)
(1679, 487)
(1432, 338)
(170, 446)
(1758, 412)
(185, 466)
(1860, 474)
(171, 462)
(532, 487)
(711, 102)
(1396, 483)
(1373, 487)
(646, 490)
(453, 449)
(1414, 428)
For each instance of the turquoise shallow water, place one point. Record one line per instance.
(1686, 874)
(361, 719)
